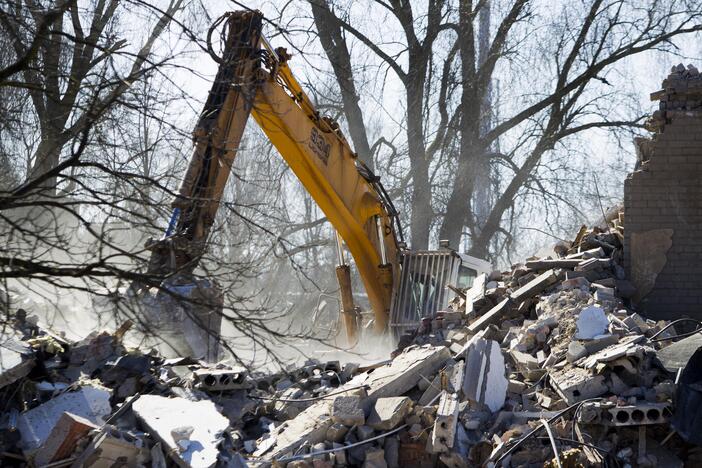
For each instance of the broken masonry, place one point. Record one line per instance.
(553, 342)
(549, 363)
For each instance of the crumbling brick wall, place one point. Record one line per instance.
(663, 203)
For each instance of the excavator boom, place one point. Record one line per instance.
(255, 79)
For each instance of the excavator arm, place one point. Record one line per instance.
(255, 79)
(321, 158)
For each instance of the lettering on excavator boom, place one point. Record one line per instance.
(319, 145)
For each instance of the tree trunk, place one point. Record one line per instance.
(459, 205)
(337, 52)
(422, 213)
(482, 199)
(46, 158)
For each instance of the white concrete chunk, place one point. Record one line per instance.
(164, 415)
(576, 384)
(91, 403)
(592, 322)
(15, 360)
(485, 380)
(347, 410)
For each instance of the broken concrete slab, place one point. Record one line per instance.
(490, 317)
(485, 380)
(677, 355)
(575, 384)
(389, 412)
(597, 252)
(592, 321)
(475, 293)
(548, 264)
(444, 431)
(600, 342)
(162, 415)
(593, 264)
(626, 347)
(16, 360)
(455, 381)
(90, 402)
(222, 379)
(535, 286)
(392, 379)
(402, 373)
(311, 426)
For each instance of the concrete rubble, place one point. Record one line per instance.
(551, 349)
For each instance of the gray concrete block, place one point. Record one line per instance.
(347, 410)
(388, 413)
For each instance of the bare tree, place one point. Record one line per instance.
(419, 56)
(73, 73)
(106, 121)
(447, 66)
(331, 36)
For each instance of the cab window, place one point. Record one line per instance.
(465, 277)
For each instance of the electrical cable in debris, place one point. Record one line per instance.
(338, 449)
(306, 400)
(682, 335)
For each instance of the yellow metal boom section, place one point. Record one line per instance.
(322, 160)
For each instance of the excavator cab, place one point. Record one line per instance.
(424, 284)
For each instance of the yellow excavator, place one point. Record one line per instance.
(402, 286)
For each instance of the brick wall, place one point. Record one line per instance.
(666, 193)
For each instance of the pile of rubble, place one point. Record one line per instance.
(543, 365)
